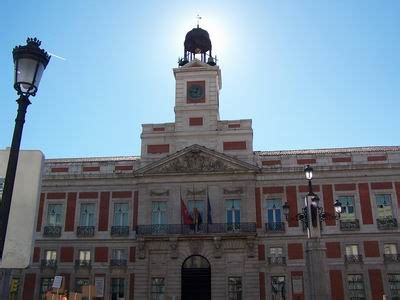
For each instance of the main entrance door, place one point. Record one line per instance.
(196, 278)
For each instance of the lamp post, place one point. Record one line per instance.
(30, 61)
(312, 216)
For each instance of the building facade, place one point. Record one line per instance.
(199, 214)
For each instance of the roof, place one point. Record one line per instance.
(329, 151)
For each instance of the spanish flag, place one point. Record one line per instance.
(187, 218)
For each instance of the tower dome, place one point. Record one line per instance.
(197, 41)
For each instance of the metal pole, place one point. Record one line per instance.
(5, 204)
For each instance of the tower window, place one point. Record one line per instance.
(196, 121)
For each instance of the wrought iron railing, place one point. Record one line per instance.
(83, 263)
(386, 223)
(353, 259)
(276, 260)
(119, 230)
(48, 264)
(350, 225)
(52, 231)
(391, 258)
(118, 262)
(85, 231)
(275, 227)
(163, 229)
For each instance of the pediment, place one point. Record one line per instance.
(195, 63)
(197, 159)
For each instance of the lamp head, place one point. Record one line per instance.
(308, 171)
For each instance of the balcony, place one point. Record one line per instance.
(83, 264)
(85, 231)
(386, 223)
(118, 263)
(273, 227)
(353, 259)
(52, 231)
(48, 264)
(119, 230)
(350, 225)
(277, 260)
(166, 229)
(391, 258)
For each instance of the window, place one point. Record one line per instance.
(278, 287)
(351, 249)
(232, 211)
(119, 254)
(389, 249)
(117, 288)
(121, 214)
(79, 283)
(273, 210)
(84, 255)
(348, 212)
(394, 285)
(157, 288)
(384, 205)
(87, 214)
(51, 255)
(54, 214)
(276, 256)
(355, 287)
(234, 288)
(45, 285)
(159, 213)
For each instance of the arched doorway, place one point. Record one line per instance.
(196, 278)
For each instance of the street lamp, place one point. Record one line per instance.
(311, 210)
(30, 61)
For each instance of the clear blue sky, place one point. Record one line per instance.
(311, 74)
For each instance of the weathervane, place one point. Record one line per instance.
(198, 20)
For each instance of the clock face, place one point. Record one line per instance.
(195, 91)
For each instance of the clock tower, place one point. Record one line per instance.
(197, 121)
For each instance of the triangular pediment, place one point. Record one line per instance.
(197, 159)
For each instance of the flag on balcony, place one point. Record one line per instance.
(209, 218)
(187, 218)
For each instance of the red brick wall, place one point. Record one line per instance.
(66, 280)
(298, 296)
(55, 196)
(306, 161)
(291, 195)
(305, 188)
(365, 201)
(295, 251)
(29, 286)
(40, 213)
(337, 291)
(345, 187)
(59, 169)
(67, 254)
(36, 254)
(341, 159)
(333, 250)
(103, 212)
(271, 162)
(258, 208)
(381, 185)
(377, 158)
(132, 254)
(123, 168)
(70, 215)
(132, 286)
(91, 169)
(261, 252)
(88, 195)
(238, 145)
(135, 209)
(327, 195)
(261, 282)
(371, 248)
(101, 254)
(196, 121)
(397, 185)
(122, 194)
(375, 280)
(155, 149)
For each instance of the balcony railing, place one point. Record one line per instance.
(118, 262)
(48, 264)
(83, 264)
(164, 229)
(275, 227)
(386, 223)
(119, 230)
(391, 258)
(353, 259)
(85, 231)
(52, 231)
(276, 260)
(350, 225)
